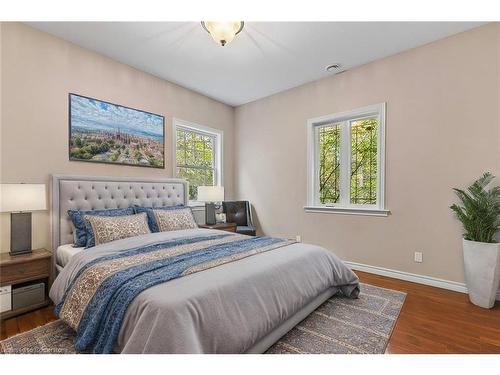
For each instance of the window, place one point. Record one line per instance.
(197, 155)
(346, 162)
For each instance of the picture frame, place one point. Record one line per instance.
(109, 133)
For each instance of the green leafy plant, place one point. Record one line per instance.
(480, 213)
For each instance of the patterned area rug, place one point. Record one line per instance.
(346, 326)
(339, 326)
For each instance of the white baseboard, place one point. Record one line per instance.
(419, 279)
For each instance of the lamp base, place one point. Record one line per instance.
(210, 214)
(17, 253)
(20, 233)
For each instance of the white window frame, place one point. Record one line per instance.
(204, 130)
(344, 119)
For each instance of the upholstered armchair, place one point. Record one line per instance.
(239, 212)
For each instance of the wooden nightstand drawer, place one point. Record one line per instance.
(24, 271)
(30, 268)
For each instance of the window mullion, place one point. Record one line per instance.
(345, 163)
(316, 166)
(216, 162)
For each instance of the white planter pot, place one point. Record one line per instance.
(482, 271)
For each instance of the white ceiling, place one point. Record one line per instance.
(265, 58)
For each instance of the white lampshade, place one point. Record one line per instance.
(22, 197)
(210, 193)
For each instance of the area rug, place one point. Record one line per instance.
(346, 326)
(338, 326)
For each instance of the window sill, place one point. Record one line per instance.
(347, 211)
(196, 206)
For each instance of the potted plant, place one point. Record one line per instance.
(480, 216)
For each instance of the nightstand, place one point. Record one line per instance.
(23, 269)
(228, 227)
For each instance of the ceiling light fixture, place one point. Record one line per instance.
(223, 32)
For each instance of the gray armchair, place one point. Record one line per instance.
(239, 212)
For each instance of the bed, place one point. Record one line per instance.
(242, 305)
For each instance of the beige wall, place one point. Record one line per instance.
(443, 130)
(3, 228)
(38, 71)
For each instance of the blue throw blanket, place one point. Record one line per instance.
(95, 302)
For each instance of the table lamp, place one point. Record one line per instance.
(210, 195)
(20, 200)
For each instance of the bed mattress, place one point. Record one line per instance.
(64, 253)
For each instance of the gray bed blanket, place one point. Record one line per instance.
(225, 309)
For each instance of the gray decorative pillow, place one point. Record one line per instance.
(110, 228)
(168, 220)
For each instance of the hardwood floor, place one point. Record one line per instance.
(432, 320)
(25, 322)
(435, 320)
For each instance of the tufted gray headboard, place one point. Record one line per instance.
(95, 193)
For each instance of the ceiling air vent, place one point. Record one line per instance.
(334, 68)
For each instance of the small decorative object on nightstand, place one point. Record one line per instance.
(220, 218)
(20, 200)
(210, 195)
(27, 278)
(228, 227)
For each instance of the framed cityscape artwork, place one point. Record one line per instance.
(104, 132)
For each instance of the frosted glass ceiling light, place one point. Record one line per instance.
(223, 32)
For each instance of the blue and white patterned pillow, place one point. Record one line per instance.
(76, 217)
(153, 225)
